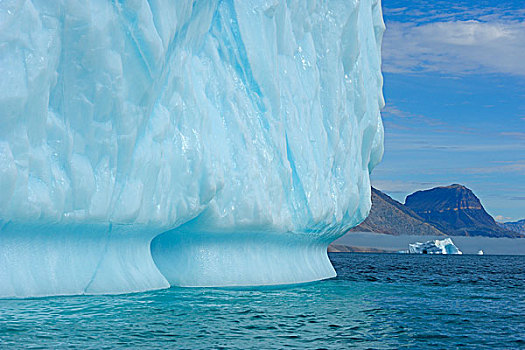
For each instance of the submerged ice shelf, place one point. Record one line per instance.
(195, 143)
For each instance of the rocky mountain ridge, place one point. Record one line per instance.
(392, 217)
(516, 226)
(442, 211)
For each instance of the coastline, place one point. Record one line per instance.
(469, 245)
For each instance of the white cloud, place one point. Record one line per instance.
(455, 47)
(517, 167)
(502, 218)
(391, 112)
(515, 134)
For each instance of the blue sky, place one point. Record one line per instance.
(455, 92)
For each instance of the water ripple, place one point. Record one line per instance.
(377, 301)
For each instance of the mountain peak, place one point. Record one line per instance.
(454, 209)
(448, 210)
(392, 217)
(457, 186)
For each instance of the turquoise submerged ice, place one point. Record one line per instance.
(208, 143)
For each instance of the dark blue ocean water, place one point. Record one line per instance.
(378, 301)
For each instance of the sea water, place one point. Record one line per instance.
(377, 301)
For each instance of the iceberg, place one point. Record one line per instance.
(146, 144)
(444, 246)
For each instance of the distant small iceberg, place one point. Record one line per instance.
(480, 252)
(444, 246)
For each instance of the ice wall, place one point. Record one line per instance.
(225, 132)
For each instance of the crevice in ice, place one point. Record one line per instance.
(237, 54)
(297, 184)
(130, 25)
(101, 259)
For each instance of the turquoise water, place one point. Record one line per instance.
(378, 301)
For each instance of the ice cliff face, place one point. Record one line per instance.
(227, 132)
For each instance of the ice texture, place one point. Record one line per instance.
(437, 246)
(202, 143)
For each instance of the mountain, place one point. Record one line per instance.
(517, 226)
(392, 217)
(457, 211)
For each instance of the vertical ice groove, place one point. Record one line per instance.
(221, 132)
(97, 267)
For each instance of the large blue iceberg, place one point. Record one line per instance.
(145, 144)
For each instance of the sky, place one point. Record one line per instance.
(454, 85)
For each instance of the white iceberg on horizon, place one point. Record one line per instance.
(444, 246)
